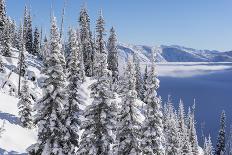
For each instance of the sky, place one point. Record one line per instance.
(200, 24)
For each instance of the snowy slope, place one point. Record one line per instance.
(172, 54)
(16, 139)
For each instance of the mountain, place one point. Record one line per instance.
(172, 53)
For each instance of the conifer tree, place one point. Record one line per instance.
(139, 78)
(36, 43)
(193, 136)
(229, 143)
(153, 136)
(15, 41)
(192, 133)
(220, 148)
(145, 78)
(113, 55)
(25, 106)
(80, 58)
(172, 136)
(128, 127)
(22, 66)
(68, 48)
(29, 35)
(45, 54)
(100, 115)
(12, 29)
(25, 23)
(208, 146)
(6, 51)
(2, 66)
(18, 34)
(101, 52)
(75, 99)
(52, 133)
(27, 30)
(19, 37)
(86, 41)
(186, 147)
(3, 16)
(95, 56)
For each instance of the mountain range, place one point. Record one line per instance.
(173, 53)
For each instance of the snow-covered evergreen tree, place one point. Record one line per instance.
(3, 16)
(16, 34)
(145, 76)
(68, 48)
(12, 31)
(25, 21)
(172, 137)
(100, 115)
(208, 147)
(19, 35)
(71, 108)
(52, 133)
(45, 54)
(186, 147)
(22, 66)
(153, 136)
(192, 133)
(86, 41)
(220, 148)
(27, 30)
(36, 43)
(139, 78)
(128, 127)
(2, 66)
(113, 55)
(229, 143)
(15, 40)
(25, 106)
(6, 42)
(101, 51)
(95, 56)
(80, 58)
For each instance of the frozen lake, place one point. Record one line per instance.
(210, 84)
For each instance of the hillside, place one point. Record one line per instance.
(15, 139)
(173, 54)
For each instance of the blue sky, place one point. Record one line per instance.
(202, 24)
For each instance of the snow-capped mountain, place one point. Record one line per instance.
(172, 53)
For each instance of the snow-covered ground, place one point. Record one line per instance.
(14, 138)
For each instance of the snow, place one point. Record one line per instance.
(15, 137)
(8, 104)
(172, 53)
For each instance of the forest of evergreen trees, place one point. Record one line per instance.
(103, 127)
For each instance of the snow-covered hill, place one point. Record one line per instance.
(15, 139)
(172, 54)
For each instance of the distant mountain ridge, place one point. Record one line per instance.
(173, 53)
